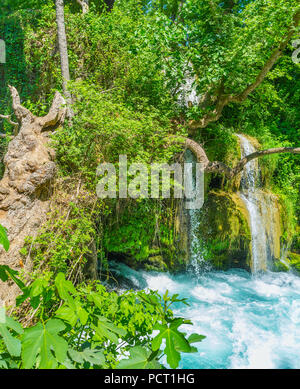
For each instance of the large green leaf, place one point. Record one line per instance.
(106, 329)
(37, 287)
(65, 289)
(140, 358)
(11, 342)
(94, 357)
(68, 314)
(41, 340)
(175, 341)
(3, 238)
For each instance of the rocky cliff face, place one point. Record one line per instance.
(223, 231)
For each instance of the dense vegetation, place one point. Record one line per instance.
(89, 327)
(129, 66)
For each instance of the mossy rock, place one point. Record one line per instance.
(224, 232)
(145, 237)
(156, 263)
(279, 266)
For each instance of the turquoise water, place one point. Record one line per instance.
(249, 321)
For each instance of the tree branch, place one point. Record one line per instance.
(20, 111)
(84, 4)
(277, 150)
(56, 113)
(222, 168)
(224, 99)
(8, 118)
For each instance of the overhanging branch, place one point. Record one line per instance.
(224, 99)
(222, 168)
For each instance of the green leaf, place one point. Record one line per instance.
(175, 341)
(3, 363)
(82, 313)
(194, 338)
(37, 287)
(64, 288)
(3, 238)
(40, 340)
(140, 358)
(12, 343)
(106, 329)
(6, 273)
(94, 357)
(67, 314)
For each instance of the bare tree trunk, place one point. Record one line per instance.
(25, 188)
(63, 51)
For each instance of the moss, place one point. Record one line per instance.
(224, 232)
(294, 260)
(279, 266)
(232, 157)
(287, 221)
(296, 240)
(148, 237)
(156, 263)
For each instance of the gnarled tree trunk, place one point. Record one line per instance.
(25, 188)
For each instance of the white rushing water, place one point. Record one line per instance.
(254, 204)
(250, 321)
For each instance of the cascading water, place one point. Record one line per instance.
(263, 213)
(249, 322)
(249, 181)
(198, 264)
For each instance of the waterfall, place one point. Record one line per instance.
(197, 264)
(263, 213)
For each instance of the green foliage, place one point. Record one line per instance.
(139, 359)
(3, 238)
(44, 340)
(105, 128)
(129, 67)
(89, 327)
(64, 242)
(7, 331)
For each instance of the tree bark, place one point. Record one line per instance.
(84, 5)
(222, 168)
(25, 188)
(63, 52)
